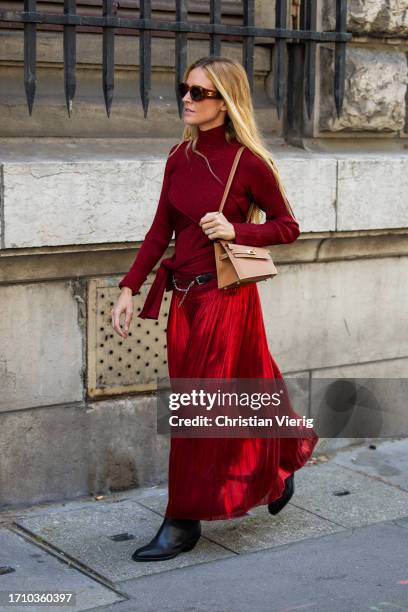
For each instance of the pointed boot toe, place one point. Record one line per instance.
(277, 505)
(174, 536)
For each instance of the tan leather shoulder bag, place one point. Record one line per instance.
(239, 264)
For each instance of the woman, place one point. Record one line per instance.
(214, 333)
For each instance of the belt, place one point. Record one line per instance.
(162, 281)
(199, 280)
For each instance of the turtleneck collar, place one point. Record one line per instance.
(213, 137)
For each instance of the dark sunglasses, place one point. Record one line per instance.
(197, 92)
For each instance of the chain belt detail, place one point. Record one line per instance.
(199, 280)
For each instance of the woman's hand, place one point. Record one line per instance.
(216, 226)
(124, 303)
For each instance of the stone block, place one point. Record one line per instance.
(41, 361)
(375, 89)
(337, 313)
(372, 193)
(103, 201)
(310, 183)
(67, 451)
(370, 16)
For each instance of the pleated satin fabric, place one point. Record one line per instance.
(221, 334)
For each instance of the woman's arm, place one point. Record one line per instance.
(280, 227)
(156, 240)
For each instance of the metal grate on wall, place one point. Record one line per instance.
(296, 23)
(117, 365)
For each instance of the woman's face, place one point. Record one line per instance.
(208, 113)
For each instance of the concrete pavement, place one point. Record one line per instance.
(341, 544)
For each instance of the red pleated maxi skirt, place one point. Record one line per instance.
(218, 333)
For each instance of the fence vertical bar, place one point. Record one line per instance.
(69, 55)
(310, 57)
(280, 58)
(248, 45)
(215, 18)
(108, 57)
(180, 50)
(340, 56)
(30, 55)
(145, 55)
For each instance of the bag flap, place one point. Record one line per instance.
(245, 255)
(242, 249)
(252, 255)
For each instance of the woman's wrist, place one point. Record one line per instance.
(126, 289)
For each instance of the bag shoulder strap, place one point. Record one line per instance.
(231, 176)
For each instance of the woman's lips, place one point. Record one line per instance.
(187, 110)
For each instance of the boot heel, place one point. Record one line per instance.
(190, 546)
(277, 505)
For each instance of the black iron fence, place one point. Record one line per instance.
(286, 74)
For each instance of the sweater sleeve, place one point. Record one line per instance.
(279, 227)
(155, 242)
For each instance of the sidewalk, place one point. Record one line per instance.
(341, 544)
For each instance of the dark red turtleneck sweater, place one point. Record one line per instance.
(188, 192)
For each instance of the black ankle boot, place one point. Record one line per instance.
(277, 505)
(174, 536)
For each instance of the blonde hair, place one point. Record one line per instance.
(230, 79)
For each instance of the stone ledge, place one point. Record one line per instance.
(36, 265)
(110, 197)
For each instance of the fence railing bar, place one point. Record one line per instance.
(215, 18)
(180, 51)
(248, 43)
(108, 58)
(164, 26)
(145, 55)
(30, 56)
(69, 55)
(302, 15)
(340, 56)
(310, 57)
(280, 58)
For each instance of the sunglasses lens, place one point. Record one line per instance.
(196, 93)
